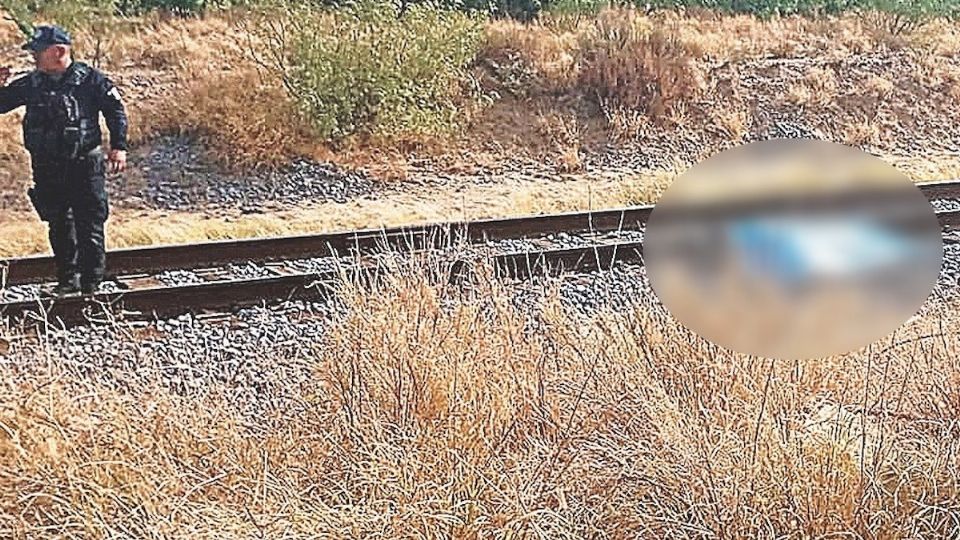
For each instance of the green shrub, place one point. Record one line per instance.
(760, 8)
(365, 69)
(900, 16)
(914, 10)
(71, 14)
(136, 7)
(524, 10)
(563, 7)
(518, 9)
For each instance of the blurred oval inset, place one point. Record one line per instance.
(793, 249)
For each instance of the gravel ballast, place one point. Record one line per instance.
(176, 177)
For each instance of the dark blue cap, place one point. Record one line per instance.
(45, 36)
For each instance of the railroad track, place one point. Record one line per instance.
(141, 294)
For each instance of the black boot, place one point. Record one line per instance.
(67, 286)
(90, 287)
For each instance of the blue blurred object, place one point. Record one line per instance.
(796, 250)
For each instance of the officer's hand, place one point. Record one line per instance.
(117, 160)
(4, 75)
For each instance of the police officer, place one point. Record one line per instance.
(61, 131)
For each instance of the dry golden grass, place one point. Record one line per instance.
(569, 160)
(798, 94)
(941, 38)
(733, 122)
(242, 120)
(822, 83)
(626, 124)
(879, 86)
(14, 160)
(861, 132)
(691, 36)
(562, 130)
(531, 54)
(656, 78)
(932, 72)
(437, 413)
(564, 133)
(24, 234)
(637, 65)
(741, 37)
(930, 168)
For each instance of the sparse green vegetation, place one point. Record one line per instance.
(367, 70)
(894, 16)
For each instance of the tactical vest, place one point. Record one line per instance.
(54, 127)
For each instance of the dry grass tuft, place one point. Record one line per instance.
(798, 94)
(243, 120)
(733, 122)
(569, 161)
(633, 64)
(668, 76)
(878, 86)
(563, 131)
(863, 132)
(939, 37)
(524, 58)
(822, 84)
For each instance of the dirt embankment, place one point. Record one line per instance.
(620, 95)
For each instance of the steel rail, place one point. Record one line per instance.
(160, 301)
(232, 294)
(38, 269)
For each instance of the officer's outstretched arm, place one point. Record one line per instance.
(108, 97)
(13, 95)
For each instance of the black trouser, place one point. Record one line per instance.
(71, 197)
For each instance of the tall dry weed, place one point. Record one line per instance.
(530, 58)
(631, 63)
(243, 119)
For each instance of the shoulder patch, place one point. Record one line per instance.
(114, 93)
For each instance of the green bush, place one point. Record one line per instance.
(563, 7)
(908, 9)
(899, 16)
(136, 7)
(122, 7)
(517, 9)
(524, 10)
(71, 14)
(364, 69)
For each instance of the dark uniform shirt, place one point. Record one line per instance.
(96, 94)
